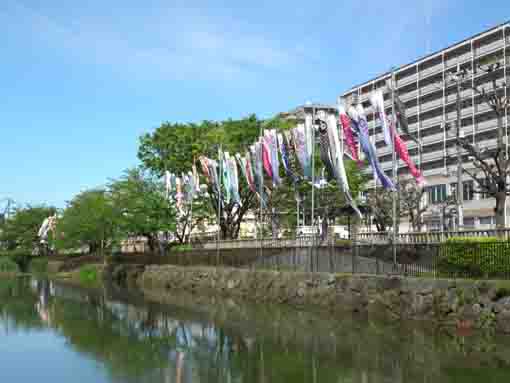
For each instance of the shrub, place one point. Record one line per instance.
(182, 247)
(474, 257)
(20, 257)
(7, 265)
(343, 242)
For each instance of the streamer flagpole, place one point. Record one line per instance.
(395, 170)
(220, 172)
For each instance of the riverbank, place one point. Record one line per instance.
(465, 304)
(451, 303)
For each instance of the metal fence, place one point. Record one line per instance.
(490, 260)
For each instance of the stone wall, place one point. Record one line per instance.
(465, 304)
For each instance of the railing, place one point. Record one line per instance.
(268, 243)
(430, 236)
(477, 260)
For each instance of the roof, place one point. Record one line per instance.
(449, 47)
(299, 112)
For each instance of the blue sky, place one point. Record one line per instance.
(81, 81)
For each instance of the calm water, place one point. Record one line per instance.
(53, 333)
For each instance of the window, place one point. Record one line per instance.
(453, 190)
(436, 193)
(484, 194)
(468, 190)
(469, 221)
(486, 220)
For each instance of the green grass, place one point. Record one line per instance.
(89, 275)
(39, 266)
(7, 265)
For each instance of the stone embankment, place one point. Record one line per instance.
(465, 304)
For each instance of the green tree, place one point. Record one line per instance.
(20, 230)
(144, 209)
(91, 219)
(175, 147)
(328, 199)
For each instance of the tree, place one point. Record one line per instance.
(412, 203)
(176, 147)
(144, 210)
(492, 166)
(20, 230)
(380, 202)
(91, 219)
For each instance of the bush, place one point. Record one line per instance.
(7, 265)
(20, 257)
(343, 242)
(475, 257)
(182, 247)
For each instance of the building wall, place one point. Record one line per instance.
(430, 105)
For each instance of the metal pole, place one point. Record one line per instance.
(394, 167)
(312, 244)
(261, 190)
(297, 212)
(460, 192)
(191, 220)
(220, 159)
(505, 65)
(313, 169)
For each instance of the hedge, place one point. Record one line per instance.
(474, 257)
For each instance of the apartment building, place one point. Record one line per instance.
(431, 104)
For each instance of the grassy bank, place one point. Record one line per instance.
(87, 276)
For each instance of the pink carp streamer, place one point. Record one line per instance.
(403, 153)
(266, 157)
(345, 122)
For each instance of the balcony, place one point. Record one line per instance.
(409, 95)
(407, 80)
(431, 104)
(484, 49)
(486, 125)
(432, 70)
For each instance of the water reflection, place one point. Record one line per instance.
(131, 339)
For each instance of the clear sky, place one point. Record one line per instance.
(81, 81)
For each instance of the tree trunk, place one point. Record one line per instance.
(500, 211)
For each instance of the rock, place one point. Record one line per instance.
(503, 321)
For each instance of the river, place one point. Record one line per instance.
(52, 332)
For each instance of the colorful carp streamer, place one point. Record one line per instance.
(377, 101)
(225, 177)
(337, 158)
(324, 146)
(168, 183)
(275, 163)
(266, 155)
(348, 133)
(389, 130)
(233, 178)
(403, 153)
(359, 120)
(300, 148)
(294, 149)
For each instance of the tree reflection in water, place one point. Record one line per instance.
(137, 340)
